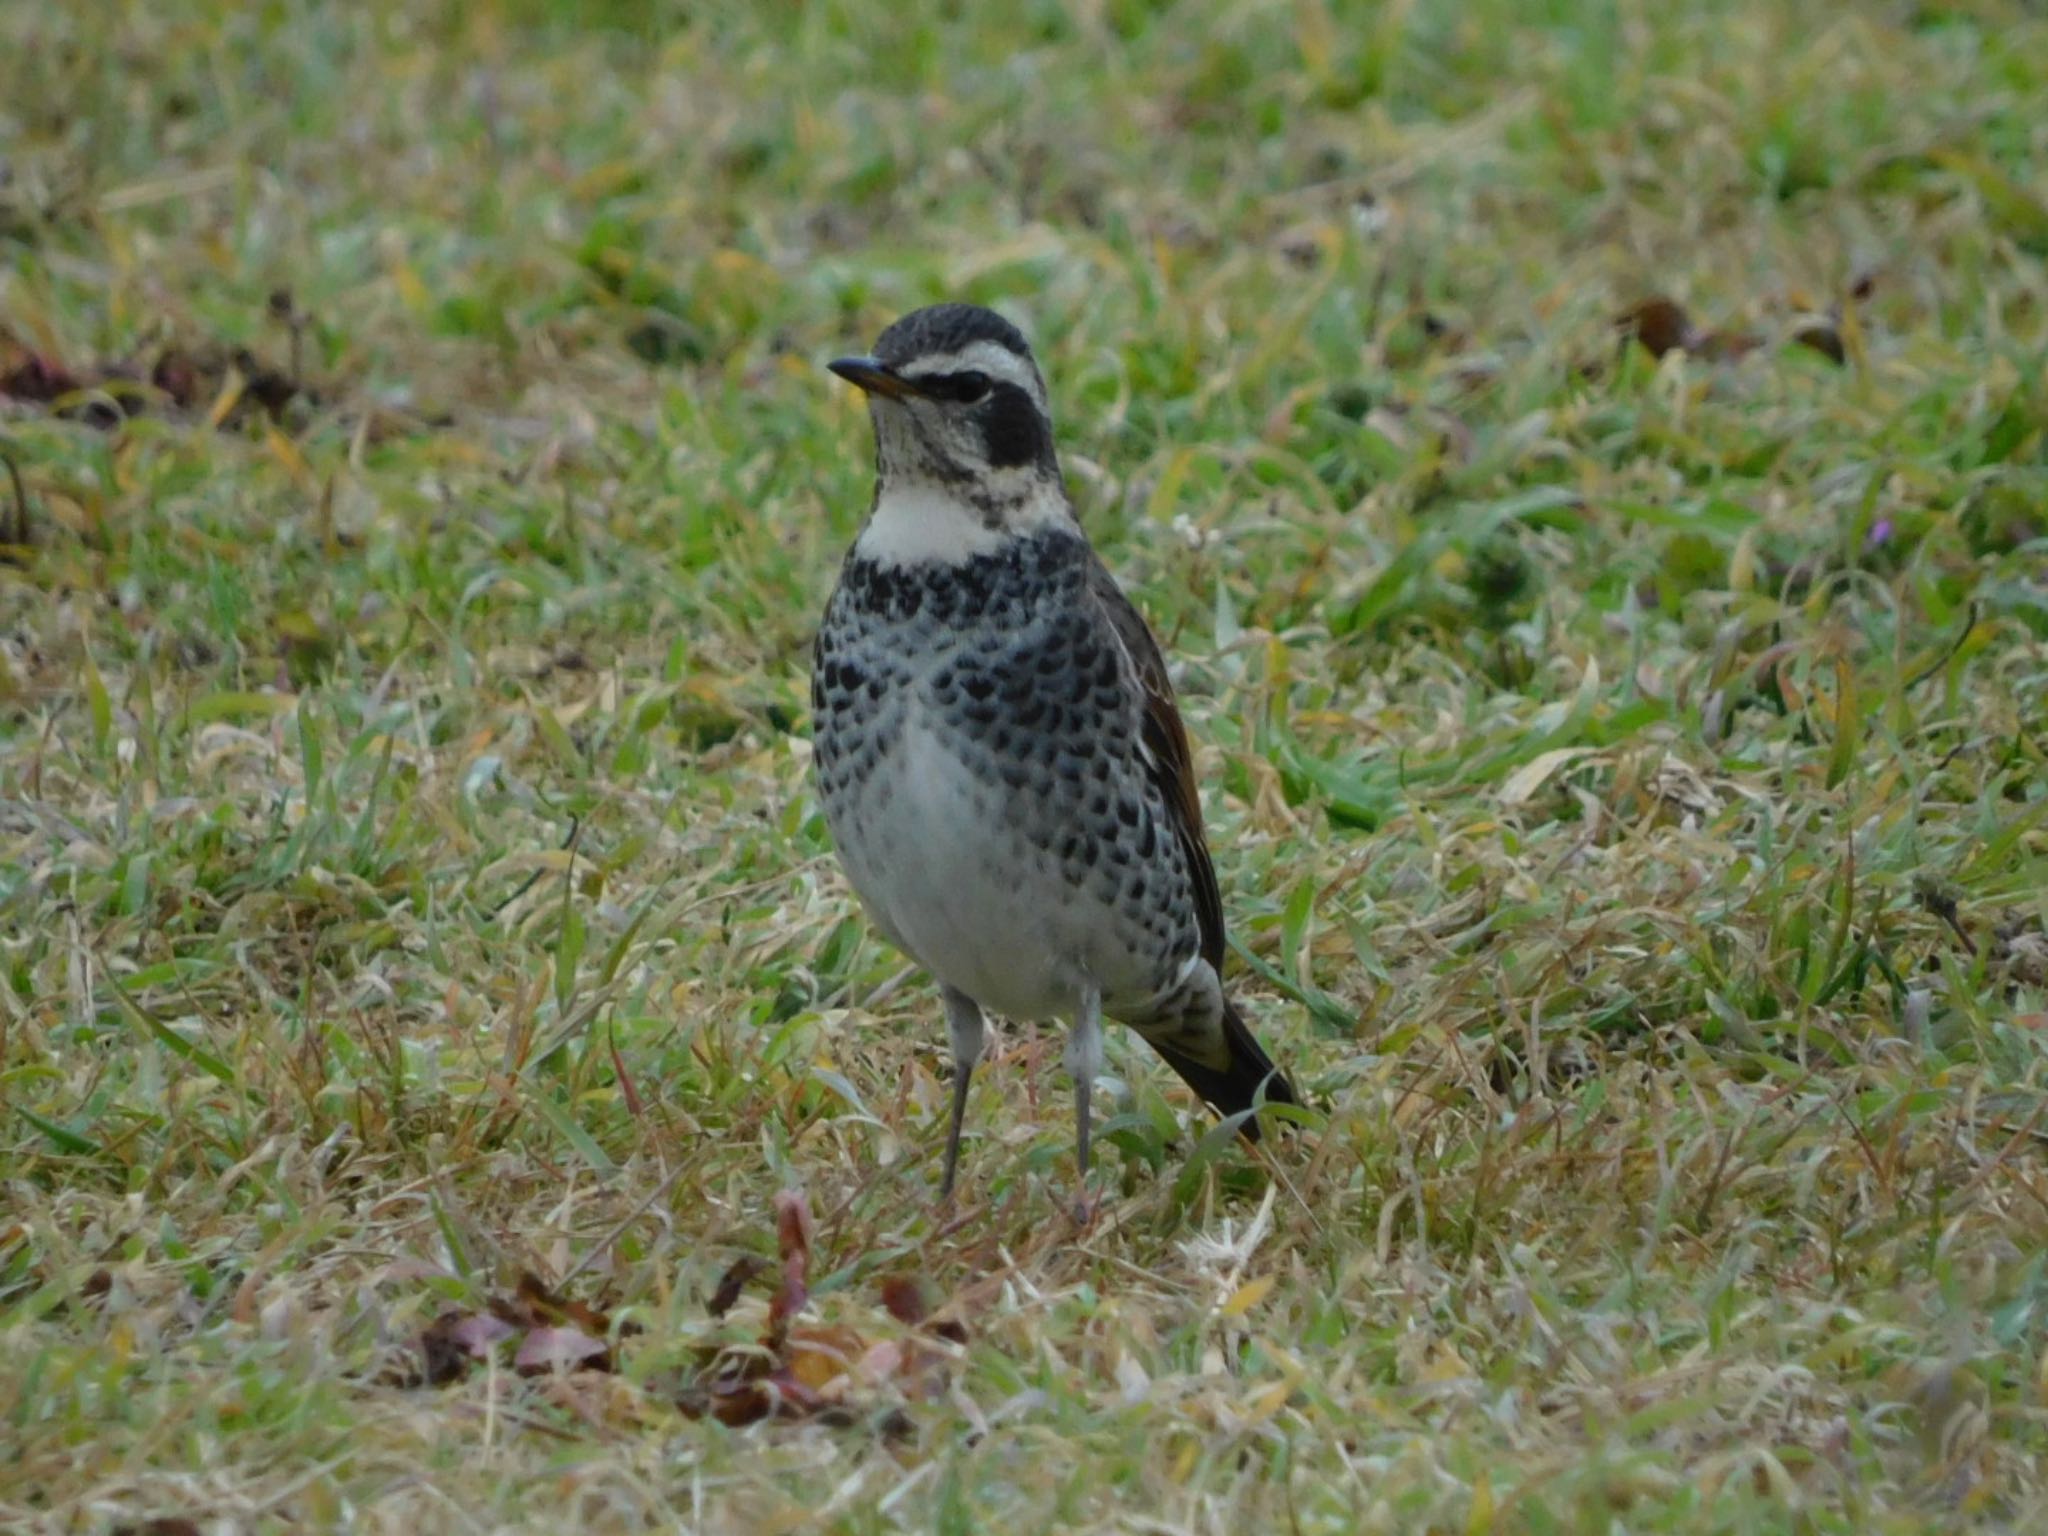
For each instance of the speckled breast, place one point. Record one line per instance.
(977, 758)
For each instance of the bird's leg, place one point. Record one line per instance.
(1084, 1064)
(970, 1033)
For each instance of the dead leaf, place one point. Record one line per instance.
(904, 1299)
(793, 1237)
(548, 1308)
(178, 376)
(735, 1280)
(455, 1341)
(819, 1357)
(547, 1349)
(478, 1332)
(31, 376)
(1661, 325)
(199, 377)
(555, 1333)
(821, 1372)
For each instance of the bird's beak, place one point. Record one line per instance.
(874, 376)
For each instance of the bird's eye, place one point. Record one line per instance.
(961, 388)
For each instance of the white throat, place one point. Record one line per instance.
(921, 522)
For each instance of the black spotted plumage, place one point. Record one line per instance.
(1008, 642)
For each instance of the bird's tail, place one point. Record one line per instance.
(1235, 1086)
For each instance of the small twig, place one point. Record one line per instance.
(1949, 655)
(568, 846)
(1954, 752)
(1862, 1140)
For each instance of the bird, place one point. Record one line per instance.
(1003, 770)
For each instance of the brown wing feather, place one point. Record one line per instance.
(1166, 755)
(1244, 1073)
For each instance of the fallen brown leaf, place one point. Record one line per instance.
(555, 1333)
(544, 1306)
(904, 1299)
(1661, 325)
(455, 1341)
(184, 378)
(734, 1281)
(30, 376)
(178, 376)
(818, 1373)
(793, 1238)
(560, 1349)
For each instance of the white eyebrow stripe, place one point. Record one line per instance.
(989, 357)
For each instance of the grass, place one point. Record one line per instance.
(1626, 772)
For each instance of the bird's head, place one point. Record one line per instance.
(959, 410)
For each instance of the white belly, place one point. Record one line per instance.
(930, 849)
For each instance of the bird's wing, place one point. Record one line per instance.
(1164, 741)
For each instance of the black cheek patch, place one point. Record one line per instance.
(1012, 430)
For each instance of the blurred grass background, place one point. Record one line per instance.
(1588, 461)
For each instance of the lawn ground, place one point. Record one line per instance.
(1588, 464)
